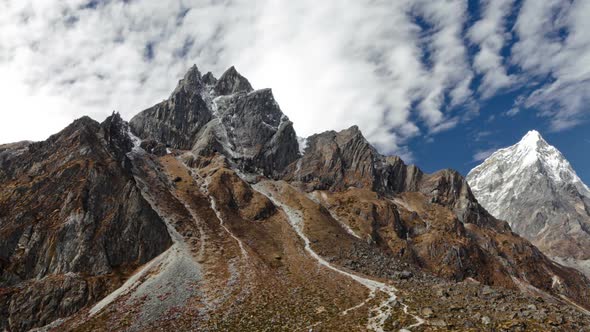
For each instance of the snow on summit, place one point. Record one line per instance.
(532, 154)
(535, 189)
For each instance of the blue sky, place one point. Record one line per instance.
(464, 147)
(456, 148)
(440, 83)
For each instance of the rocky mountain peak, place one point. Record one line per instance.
(532, 155)
(209, 79)
(191, 82)
(116, 132)
(532, 144)
(232, 82)
(228, 117)
(534, 187)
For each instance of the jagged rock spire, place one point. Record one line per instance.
(249, 128)
(231, 82)
(191, 82)
(209, 79)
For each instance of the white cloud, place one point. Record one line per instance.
(512, 112)
(483, 154)
(395, 68)
(554, 41)
(450, 75)
(490, 34)
(330, 65)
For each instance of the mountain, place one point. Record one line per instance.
(73, 223)
(205, 213)
(534, 188)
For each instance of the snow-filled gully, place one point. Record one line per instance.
(384, 310)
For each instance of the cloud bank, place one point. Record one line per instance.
(395, 68)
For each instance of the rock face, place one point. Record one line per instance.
(336, 161)
(533, 187)
(227, 116)
(71, 219)
(177, 120)
(216, 219)
(432, 220)
(231, 82)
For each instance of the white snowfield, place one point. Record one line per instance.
(384, 310)
(505, 174)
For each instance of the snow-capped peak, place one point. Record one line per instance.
(532, 138)
(514, 168)
(535, 189)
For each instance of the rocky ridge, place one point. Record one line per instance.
(73, 223)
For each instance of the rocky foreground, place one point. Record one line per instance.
(204, 213)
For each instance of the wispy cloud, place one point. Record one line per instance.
(483, 154)
(395, 68)
(330, 65)
(482, 135)
(554, 41)
(512, 112)
(490, 35)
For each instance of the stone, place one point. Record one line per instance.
(442, 293)
(437, 322)
(487, 291)
(94, 222)
(427, 312)
(404, 275)
(231, 82)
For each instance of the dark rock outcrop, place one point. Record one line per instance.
(70, 205)
(226, 116)
(177, 120)
(260, 138)
(9, 154)
(231, 82)
(338, 160)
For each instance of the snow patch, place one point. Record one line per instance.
(302, 141)
(135, 140)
